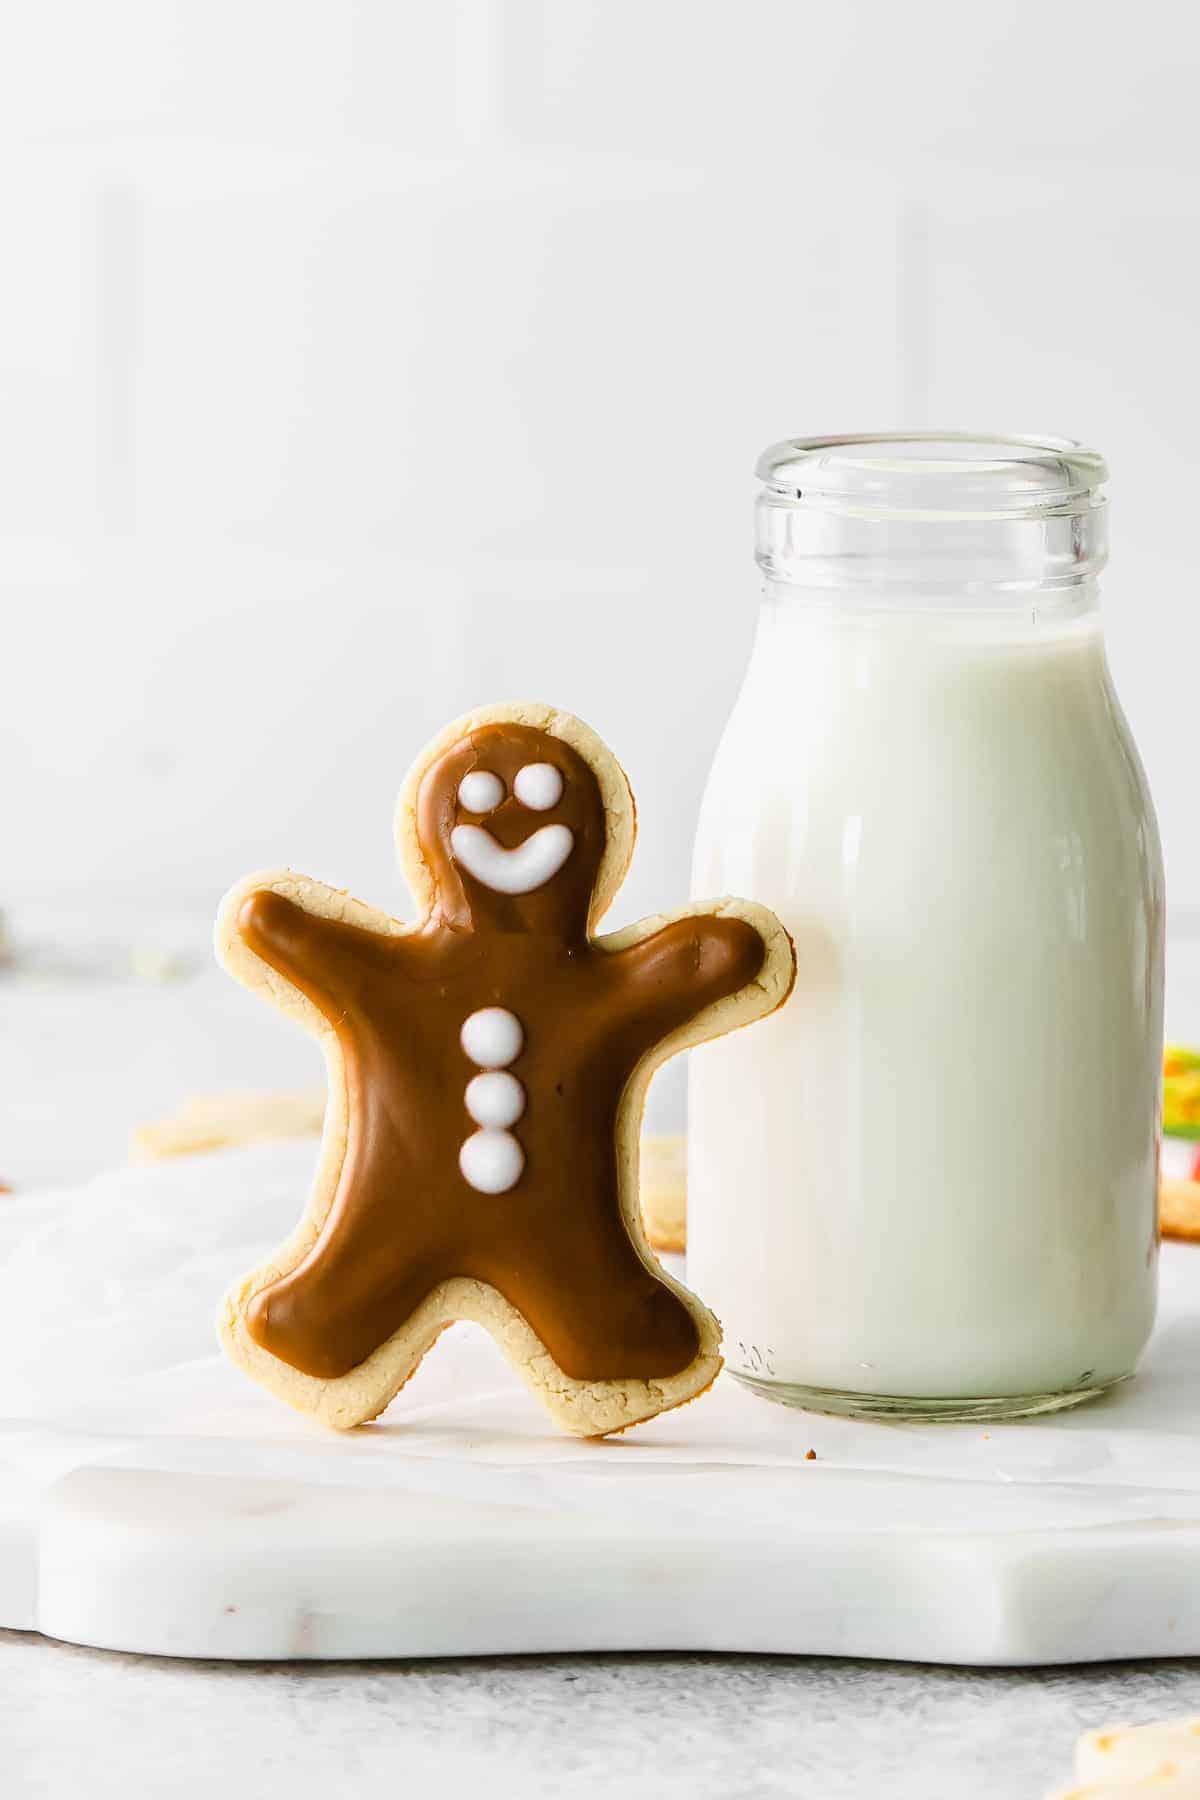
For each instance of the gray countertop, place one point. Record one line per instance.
(105, 1725)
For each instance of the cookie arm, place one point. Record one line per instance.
(307, 948)
(689, 964)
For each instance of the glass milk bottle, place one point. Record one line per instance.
(927, 1186)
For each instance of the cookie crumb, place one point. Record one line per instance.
(810, 1456)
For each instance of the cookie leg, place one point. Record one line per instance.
(577, 1359)
(344, 1400)
(611, 1326)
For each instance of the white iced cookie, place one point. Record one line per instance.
(1166, 1784)
(1161, 1786)
(1159, 1758)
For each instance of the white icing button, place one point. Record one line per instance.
(492, 1037)
(491, 1161)
(480, 791)
(538, 786)
(519, 871)
(496, 1099)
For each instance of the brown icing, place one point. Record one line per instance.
(404, 1218)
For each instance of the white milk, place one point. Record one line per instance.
(933, 1173)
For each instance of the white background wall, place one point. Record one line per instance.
(360, 361)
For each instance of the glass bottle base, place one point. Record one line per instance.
(901, 1409)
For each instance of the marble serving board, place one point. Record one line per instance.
(153, 1500)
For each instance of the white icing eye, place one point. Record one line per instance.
(538, 786)
(480, 791)
(491, 1162)
(492, 1037)
(496, 1099)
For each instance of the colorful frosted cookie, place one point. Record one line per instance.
(1179, 1173)
(487, 1071)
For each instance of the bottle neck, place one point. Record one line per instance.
(920, 522)
(987, 607)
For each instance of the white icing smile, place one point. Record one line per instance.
(518, 871)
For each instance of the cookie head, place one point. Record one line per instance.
(512, 826)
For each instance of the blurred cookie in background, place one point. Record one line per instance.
(1160, 1758)
(664, 1190)
(223, 1121)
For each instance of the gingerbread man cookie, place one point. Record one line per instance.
(487, 1071)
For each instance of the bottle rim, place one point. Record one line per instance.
(935, 475)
